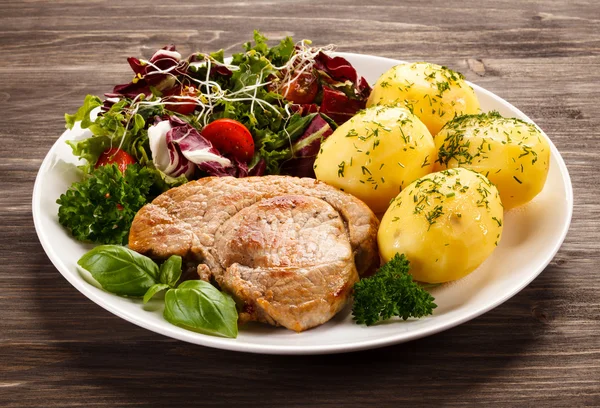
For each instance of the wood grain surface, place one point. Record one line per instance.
(540, 348)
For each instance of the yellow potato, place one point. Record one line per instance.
(446, 223)
(511, 153)
(375, 154)
(434, 93)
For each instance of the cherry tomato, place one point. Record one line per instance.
(230, 136)
(182, 105)
(113, 155)
(301, 90)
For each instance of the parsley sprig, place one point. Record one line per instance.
(101, 208)
(390, 292)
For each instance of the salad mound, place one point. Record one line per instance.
(264, 111)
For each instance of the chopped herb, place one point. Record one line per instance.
(433, 215)
(341, 167)
(497, 221)
(425, 162)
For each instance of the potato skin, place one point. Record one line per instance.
(511, 153)
(375, 154)
(446, 223)
(434, 93)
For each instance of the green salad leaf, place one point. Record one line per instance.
(83, 113)
(114, 128)
(120, 270)
(199, 306)
(278, 55)
(390, 292)
(101, 207)
(218, 56)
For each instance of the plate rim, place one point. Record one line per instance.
(230, 344)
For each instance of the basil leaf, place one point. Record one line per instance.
(170, 271)
(198, 306)
(120, 270)
(154, 289)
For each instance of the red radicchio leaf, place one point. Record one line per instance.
(163, 59)
(337, 71)
(307, 147)
(107, 103)
(305, 109)
(238, 169)
(136, 65)
(189, 140)
(132, 90)
(340, 69)
(309, 143)
(188, 137)
(221, 70)
(338, 106)
(258, 169)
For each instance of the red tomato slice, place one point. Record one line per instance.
(301, 90)
(231, 137)
(182, 105)
(113, 155)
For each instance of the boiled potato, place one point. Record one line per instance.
(511, 153)
(434, 93)
(375, 154)
(446, 223)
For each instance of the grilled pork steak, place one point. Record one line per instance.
(288, 249)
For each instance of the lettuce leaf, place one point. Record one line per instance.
(261, 110)
(83, 113)
(278, 55)
(109, 131)
(161, 181)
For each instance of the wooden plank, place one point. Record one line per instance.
(540, 348)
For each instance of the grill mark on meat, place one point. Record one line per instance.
(287, 249)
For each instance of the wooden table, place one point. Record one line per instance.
(540, 348)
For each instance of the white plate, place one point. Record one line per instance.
(532, 236)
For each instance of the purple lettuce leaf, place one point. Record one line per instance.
(344, 91)
(146, 75)
(237, 169)
(340, 70)
(258, 169)
(306, 148)
(338, 106)
(189, 148)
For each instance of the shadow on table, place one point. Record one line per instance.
(125, 364)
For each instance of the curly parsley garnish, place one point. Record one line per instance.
(101, 208)
(390, 292)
